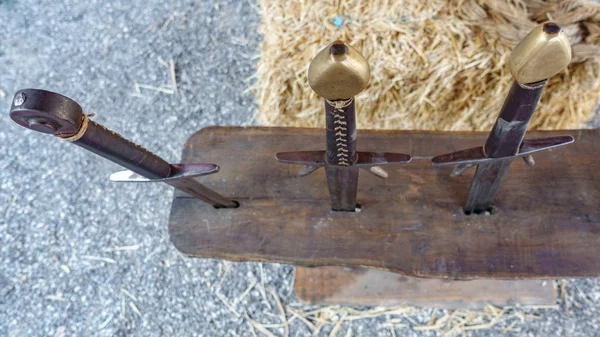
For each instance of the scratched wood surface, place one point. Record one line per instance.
(412, 223)
(361, 286)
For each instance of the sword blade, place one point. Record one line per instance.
(486, 184)
(199, 191)
(343, 184)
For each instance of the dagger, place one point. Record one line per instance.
(55, 114)
(337, 74)
(543, 53)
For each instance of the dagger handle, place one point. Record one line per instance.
(507, 134)
(52, 113)
(341, 132)
(112, 146)
(48, 112)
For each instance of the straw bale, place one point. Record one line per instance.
(435, 65)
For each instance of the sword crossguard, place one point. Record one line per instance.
(468, 158)
(370, 161)
(178, 172)
(490, 171)
(543, 53)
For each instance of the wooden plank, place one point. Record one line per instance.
(361, 286)
(412, 223)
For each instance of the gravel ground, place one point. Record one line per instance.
(82, 256)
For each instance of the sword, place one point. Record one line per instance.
(543, 53)
(338, 73)
(55, 114)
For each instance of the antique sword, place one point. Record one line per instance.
(543, 53)
(338, 73)
(55, 114)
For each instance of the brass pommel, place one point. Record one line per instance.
(543, 53)
(338, 72)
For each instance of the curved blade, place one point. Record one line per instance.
(178, 171)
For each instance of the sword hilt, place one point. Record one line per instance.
(543, 53)
(55, 114)
(338, 73)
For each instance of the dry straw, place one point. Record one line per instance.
(436, 65)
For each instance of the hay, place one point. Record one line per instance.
(435, 65)
(444, 322)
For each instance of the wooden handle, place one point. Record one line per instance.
(120, 150)
(52, 113)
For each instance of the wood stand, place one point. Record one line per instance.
(548, 225)
(362, 286)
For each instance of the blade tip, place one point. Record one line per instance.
(120, 176)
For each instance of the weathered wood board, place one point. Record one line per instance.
(343, 285)
(412, 223)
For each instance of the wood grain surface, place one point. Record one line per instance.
(548, 223)
(361, 286)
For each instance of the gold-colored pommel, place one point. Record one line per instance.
(338, 72)
(542, 54)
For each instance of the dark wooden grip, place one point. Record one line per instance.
(341, 134)
(114, 147)
(511, 125)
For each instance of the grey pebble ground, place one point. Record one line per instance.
(80, 256)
